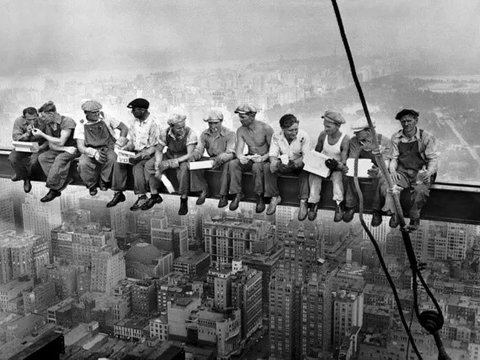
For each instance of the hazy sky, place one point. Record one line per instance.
(39, 36)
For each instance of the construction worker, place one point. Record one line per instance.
(334, 144)
(143, 138)
(413, 166)
(56, 161)
(257, 136)
(219, 142)
(24, 162)
(286, 157)
(180, 142)
(361, 145)
(95, 141)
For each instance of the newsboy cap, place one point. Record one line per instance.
(360, 124)
(246, 109)
(176, 119)
(404, 112)
(91, 105)
(334, 117)
(138, 103)
(213, 115)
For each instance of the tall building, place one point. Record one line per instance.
(144, 298)
(229, 238)
(171, 238)
(108, 268)
(40, 218)
(146, 221)
(267, 265)
(304, 250)
(192, 263)
(7, 220)
(75, 244)
(347, 313)
(113, 218)
(17, 255)
(38, 299)
(246, 289)
(316, 317)
(283, 216)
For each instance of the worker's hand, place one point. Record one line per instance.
(121, 142)
(101, 157)
(71, 149)
(257, 158)
(395, 176)
(243, 159)
(331, 164)
(342, 167)
(424, 177)
(274, 165)
(373, 172)
(37, 132)
(135, 159)
(297, 163)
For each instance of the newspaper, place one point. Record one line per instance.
(124, 156)
(315, 163)
(363, 166)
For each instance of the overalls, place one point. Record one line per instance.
(181, 175)
(97, 136)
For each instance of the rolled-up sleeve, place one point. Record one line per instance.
(394, 153)
(152, 135)
(431, 154)
(231, 142)
(17, 131)
(200, 148)
(274, 147)
(192, 138)
(162, 137)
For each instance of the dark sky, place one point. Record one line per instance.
(39, 36)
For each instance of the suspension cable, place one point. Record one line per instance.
(432, 321)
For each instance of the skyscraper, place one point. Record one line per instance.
(229, 238)
(108, 268)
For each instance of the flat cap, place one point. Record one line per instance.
(176, 119)
(334, 117)
(360, 124)
(246, 109)
(407, 112)
(138, 103)
(213, 115)
(91, 105)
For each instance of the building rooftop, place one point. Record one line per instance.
(192, 257)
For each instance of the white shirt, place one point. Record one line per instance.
(296, 149)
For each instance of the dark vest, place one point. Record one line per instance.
(177, 147)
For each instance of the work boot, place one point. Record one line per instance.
(376, 219)
(260, 204)
(118, 197)
(27, 186)
(201, 199)
(52, 194)
(272, 207)
(236, 201)
(137, 205)
(348, 214)
(302, 210)
(338, 213)
(16, 178)
(183, 210)
(93, 191)
(312, 211)
(223, 201)
(393, 223)
(154, 199)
